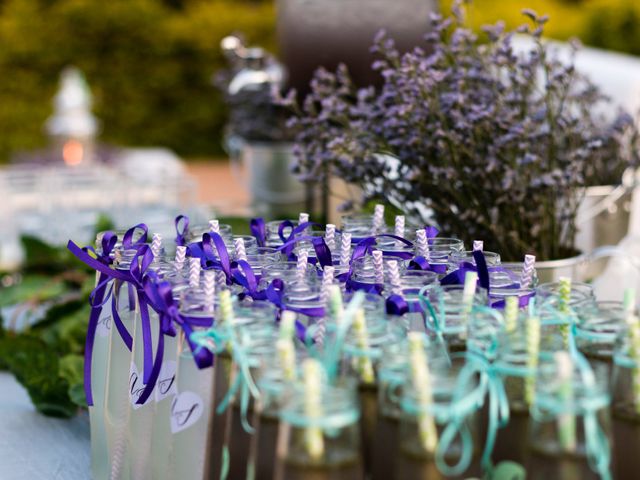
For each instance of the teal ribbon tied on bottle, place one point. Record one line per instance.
(225, 338)
(498, 403)
(548, 407)
(454, 416)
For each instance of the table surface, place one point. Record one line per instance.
(36, 447)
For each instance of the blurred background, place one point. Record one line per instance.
(170, 114)
(149, 63)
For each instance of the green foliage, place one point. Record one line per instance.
(149, 66)
(37, 368)
(607, 24)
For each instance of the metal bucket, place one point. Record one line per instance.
(266, 173)
(603, 219)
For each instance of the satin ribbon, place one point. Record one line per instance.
(398, 305)
(323, 254)
(182, 229)
(453, 416)
(206, 250)
(97, 301)
(102, 264)
(159, 297)
(259, 230)
(225, 338)
(286, 240)
(421, 263)
(457, 277)
(495, 393)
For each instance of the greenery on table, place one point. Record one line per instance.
(47, 357)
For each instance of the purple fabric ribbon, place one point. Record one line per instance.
(259, 230)
(323, 254)
(354, 286)
(294, 231)
(182, 229)
(160, 297)
(127, 240)
(421, 263)
(457, 277)
(140, 262)
(398, 305)
(204, 250)
(96, 300)
(275, 294)
(431, 232)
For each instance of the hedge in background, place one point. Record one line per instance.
(607, 24)
(149, 64)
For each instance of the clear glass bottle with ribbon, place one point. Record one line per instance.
(625, 406)
(447, 309)
(393, 369)
(439, 404)
(599, 325)
(116, 410)
(362, 353)
(191, 410)
(570, 425)
(98, 337)
(319, 434)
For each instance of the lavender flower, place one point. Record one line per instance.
(497, 143)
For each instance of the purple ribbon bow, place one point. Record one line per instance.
(259, 230)
(182, 229)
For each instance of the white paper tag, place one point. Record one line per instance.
(136, 387)
(166, 384)
(186, 409)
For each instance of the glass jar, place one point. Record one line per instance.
(196, 232)
(625, 407)
(598, 326)
(360, 226)
(449, 419)
(580, 292)
(447, 314)
(337, 425)
(379, 333)
(273, 228)
(288, 273)
(441, 248)
(482, 331)
(392, 371)
(459, 257)
(505, 282)
(116, 403)
(570, 425)
(517, 369)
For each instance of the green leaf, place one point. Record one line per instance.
(32, 288)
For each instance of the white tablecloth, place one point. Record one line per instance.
(35, 447)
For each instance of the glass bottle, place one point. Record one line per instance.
(425, 450)
(116, 407)
(625, 406)
(598, 326)
(570, 425)
(99, 379)
(362, 363)
(191, 410)
(447, 314)
(338, 424)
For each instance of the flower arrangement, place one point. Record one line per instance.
(496, 144)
